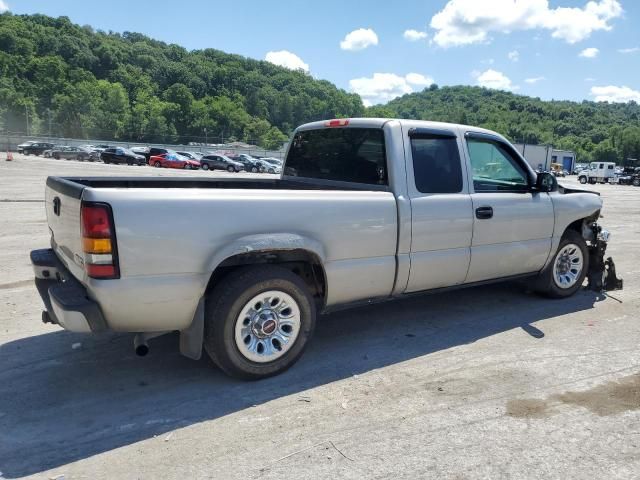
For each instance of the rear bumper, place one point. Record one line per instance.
(65, 299)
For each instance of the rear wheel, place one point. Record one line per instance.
(258, 321)
(254, 170)
(230, 169)
(187, 166)
(205, 166)
(566, 273)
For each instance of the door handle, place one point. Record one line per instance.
(484, 213)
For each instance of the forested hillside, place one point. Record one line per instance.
(596, 131)
(73, 81)
(127, 86)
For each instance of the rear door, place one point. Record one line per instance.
(512, 225)
(441, 213)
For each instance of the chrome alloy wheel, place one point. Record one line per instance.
(267, 326)
(568, 266)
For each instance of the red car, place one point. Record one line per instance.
(173, 160)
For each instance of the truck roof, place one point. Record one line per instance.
(408, 123)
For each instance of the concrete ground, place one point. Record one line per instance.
(491, 382)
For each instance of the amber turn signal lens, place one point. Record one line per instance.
(96, 245)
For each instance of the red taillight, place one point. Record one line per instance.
(98, 241)
(96, 221)
(342, 122)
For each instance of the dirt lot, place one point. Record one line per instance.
(491, 382)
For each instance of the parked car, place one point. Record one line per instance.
(270, 165)
(122, 155)
(36, 148)
(192, 155)
(251, 164)
(220, 162)
(140, 151)
(28, 143)
(153, 151)
(173, 160)
(71, 153)
(48, 153)
(240, 268)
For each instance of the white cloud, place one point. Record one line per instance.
(589, 79)
(494, 79)
(629, 50)
(533, 80)
(590, 52)
(514, 55)
(286, 59)
(414, 35)
(359, 39)
(463, 22)
(615, 94)
(418, 79)
(4, 6)
(382, 87)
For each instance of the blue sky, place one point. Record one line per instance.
(532, 47)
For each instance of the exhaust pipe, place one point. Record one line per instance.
(140, 345)
(140, 342)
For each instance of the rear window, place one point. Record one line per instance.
(340, 154)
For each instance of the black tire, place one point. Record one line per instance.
(205, 166)
(231, 169)
(545, 283)
(187, 166)
(106, 162)
(271, 170)
(254, 170)
(57, 157)
(226, 302)
(636, 182)
(157, 164)
(582, 180)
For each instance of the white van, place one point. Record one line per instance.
(598, 172)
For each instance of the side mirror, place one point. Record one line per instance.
(546, 182)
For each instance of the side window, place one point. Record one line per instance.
(494, 168)
(436, 164)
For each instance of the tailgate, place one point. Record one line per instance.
(62, 204)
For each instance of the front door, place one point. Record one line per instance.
(440, 210)
(512, 225)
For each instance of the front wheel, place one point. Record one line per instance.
(231, 169)
(157, 164)
(254, 170)
(636, 182)
(258, 321)
(205, 166)
(566, 273)
(583, 180)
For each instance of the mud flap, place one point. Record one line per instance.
(602, 274)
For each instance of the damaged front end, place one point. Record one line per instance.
(602, 274)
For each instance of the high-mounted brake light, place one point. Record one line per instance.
(98, 241)
(341, 122)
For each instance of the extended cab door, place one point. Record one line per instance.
(513, 225)
(441, 213)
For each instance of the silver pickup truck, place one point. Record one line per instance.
(365, 210)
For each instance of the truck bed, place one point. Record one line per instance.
(73, 186)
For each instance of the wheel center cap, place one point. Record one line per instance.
(265, 325)
(269, 327)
